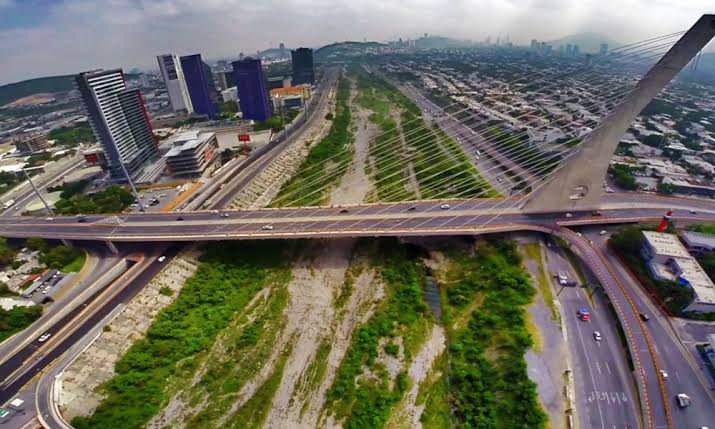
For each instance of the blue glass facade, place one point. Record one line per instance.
(253, 95)
(200, 84)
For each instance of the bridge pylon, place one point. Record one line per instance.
(578, 185)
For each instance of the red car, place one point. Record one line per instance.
(583, 314)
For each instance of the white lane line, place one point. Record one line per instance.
(598, 367)
(608, 368)
(590, 372)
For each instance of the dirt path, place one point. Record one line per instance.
(412, 185)
(356, 184)
(418, 371)
(311, 314)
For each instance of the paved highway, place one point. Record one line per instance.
(422, 218)
(605, 390)
(684, 376)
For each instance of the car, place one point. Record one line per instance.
(161, 258)
(444, 206)
(596, 213)
(603, 232)
(267, 227)
(49, 219)
(224, 214)
(683, 400)
(579, 234)
(584, 314)
(569, 215)
(500, 180)
(644, 317)
(411, 209)
(596, 335)
(214, 211)
(79, 216)
(691, 211)
(44, 337)
(81, 220)
(663, 374)
(344, 211)
(179, 218)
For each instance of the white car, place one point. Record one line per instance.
(569, 215)
(267, 227)
(44, 337)
(691, 211)
(444, 206)
(603, 232)
(49, 219)
(664, 374)
(597, 335)
(161, 258)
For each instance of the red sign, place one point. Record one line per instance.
(244, 138)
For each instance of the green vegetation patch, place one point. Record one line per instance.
(228, 277)
(488, 382)
(72, 136)
(363, 398)
(114, 199)
(326, 163)
(17, 319)
(434, 395)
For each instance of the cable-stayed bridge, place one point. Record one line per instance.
(522, 187)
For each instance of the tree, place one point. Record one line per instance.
(666, 188)
(36, 243)
(59, 256)
(654, 140)
(7, 253)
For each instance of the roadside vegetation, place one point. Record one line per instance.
(308, 187)
(178, 342)
(484, 310)
(17, 319)
(114, 199)
(64, 258)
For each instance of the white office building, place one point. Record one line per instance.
(668, 259)
(119, 121)
(173, 75)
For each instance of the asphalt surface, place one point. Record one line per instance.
(684, 375)
(146, 270)
(605, 396)
(421, 218)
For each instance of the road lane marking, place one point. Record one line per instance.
(598, 367)
(608, 368)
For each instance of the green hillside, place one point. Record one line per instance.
(13, 91)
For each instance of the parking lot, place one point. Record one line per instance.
(155, 199)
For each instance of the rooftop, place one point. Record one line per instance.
(698, 239)
(698, 279)
(666, 244)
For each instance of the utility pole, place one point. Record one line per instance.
(47, 206)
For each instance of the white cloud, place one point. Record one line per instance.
(82, 34)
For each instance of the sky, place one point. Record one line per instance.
(49, 37)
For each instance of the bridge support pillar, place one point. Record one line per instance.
(578, 185)
(112, 247)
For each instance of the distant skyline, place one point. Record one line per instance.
(49, 37)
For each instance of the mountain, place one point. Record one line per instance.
(587, 42)
(14, 91)
(345, 48)
(440, 42)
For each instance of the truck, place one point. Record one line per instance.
(8, 204)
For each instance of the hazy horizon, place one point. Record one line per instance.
(50, 37)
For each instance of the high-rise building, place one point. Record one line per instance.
(221, 80)
(534, 44)
(604, 48)
(200, 83)
(253, 95)
(576, 50)
(119, 121)
(303, 72)
(173, 76)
